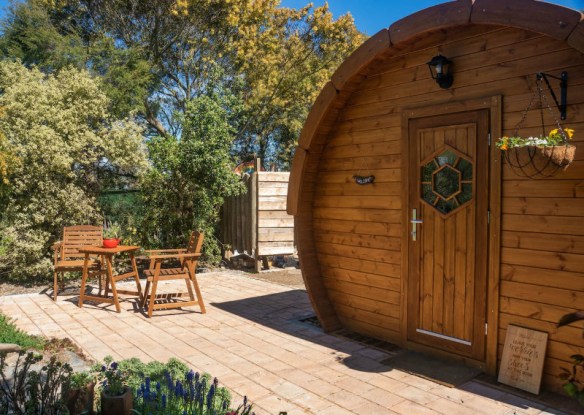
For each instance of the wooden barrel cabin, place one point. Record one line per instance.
(411, 225)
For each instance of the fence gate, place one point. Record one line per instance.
(256, 223)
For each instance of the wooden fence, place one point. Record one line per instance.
(256, 223)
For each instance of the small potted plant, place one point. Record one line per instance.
(116, 396)
(111, 234)
(80, 394)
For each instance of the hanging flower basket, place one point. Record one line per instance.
(539, 156)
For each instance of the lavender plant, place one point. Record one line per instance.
(192, 395)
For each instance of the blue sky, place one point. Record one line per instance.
(373, 15)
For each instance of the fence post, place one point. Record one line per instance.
(255, 203)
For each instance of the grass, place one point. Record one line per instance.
(9, 333)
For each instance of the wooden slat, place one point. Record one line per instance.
(363, 202)
(365, 241)
(385, 309)
(272, 249)
(350, 264)
(438, 276)
(319, 111)
(270, 176)
(358, 215)
(576, 39)
(460, 255)
(570, 225)
(276, 223)
(295, 183)
(544, 206)
(366, 292)
(360, 58)
(427, 267)
(359, 322)
(364, 278)
(272, 191)
(353, 189)
(374, 135)
(370, 254)
(376, 323)
(547, 295)
(357, 162)
(449, 275)
(381, 175)
(543, 277)
(454, 13)
(543, 259)
(275, 234)
(550, 19)
(531, 309)
(544, 242)
(366, 228)
(271, 203)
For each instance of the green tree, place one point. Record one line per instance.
(163, 54)
(191, 177)
(67, 144)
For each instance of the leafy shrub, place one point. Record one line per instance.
(9, 333)
(68, 148)
(190, 178)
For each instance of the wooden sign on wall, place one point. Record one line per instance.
(523, 358)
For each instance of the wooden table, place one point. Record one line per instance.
(107, 255)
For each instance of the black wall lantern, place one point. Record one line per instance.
(440, 69)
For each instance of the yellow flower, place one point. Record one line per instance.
(504, 147)
(569, 132)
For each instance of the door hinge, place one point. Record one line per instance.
(489, 139)
(486, 328)
(488, 217)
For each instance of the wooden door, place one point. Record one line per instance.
(448, 176)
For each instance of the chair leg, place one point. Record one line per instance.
(55, 285)
(199, 295)
(189, 288)
(152, 297)
(145, 298)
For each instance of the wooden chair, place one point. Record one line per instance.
(188, 259)
(66, 252)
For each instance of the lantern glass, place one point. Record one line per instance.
(441, 71)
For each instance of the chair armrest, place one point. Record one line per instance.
(176, 256)
(157, 251)
(56, 247)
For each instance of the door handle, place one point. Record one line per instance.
(415, 221)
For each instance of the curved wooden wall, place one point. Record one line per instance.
(349, 237)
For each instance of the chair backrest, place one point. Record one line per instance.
(75, 237)
(195, 242)
(194, 247)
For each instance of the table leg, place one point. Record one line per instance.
(136, 276)
(112, 281)
(107, 280)
(84, 279)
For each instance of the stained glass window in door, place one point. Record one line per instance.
(447, 181)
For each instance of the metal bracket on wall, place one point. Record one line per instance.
(562, 105)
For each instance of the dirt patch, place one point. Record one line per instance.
(7, 288)
(290, 277)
